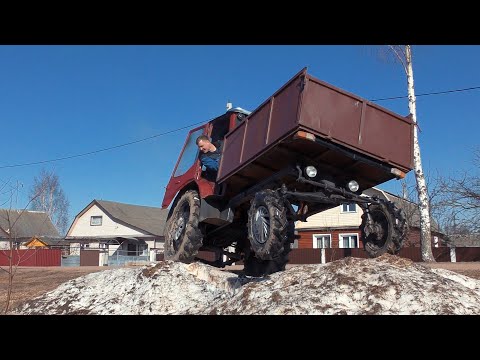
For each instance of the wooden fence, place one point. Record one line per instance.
(442, 254)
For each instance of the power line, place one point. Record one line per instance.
(198, 123)
(100, 150)
(431, 93)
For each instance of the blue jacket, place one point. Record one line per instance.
(210, 162)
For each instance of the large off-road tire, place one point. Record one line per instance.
(253, 266)
(401, 226)
(183, 238)
(388, 231)
(256, 267)
(267, 224)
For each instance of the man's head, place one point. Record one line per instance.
(204, 144)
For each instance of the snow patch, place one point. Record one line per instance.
(385, 285)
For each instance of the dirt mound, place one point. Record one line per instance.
(167, 288)
(385, 285)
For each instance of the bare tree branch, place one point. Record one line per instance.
(400, 55)
(12, 237)
(53, 200)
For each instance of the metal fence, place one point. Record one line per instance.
(31, 257)
(76, 256)
(125, 258)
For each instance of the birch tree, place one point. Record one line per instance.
(404, 55)
(52, 199)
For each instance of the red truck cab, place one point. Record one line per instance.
(188, 169)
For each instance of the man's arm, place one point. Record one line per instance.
(209, 163)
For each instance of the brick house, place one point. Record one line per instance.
(339, 227)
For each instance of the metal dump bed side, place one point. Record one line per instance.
(343, 123)
(356, 123)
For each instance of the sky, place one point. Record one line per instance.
(58, 101)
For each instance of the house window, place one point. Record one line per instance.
(348, 241)
(95, 220)
(349, 208)
(322, 241)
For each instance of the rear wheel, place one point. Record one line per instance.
(385, 231)
(183, 238)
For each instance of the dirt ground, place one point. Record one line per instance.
(30, 282)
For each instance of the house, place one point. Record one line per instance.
(26, 228)
(123, 229)
(464, 247)
(339, 227)
(45, 242)
(464, 240)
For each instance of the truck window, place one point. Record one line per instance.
(189, 154)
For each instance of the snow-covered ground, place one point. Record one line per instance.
(385, 285)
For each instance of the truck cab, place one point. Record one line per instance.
(188, 170)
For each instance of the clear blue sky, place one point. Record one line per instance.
(58, 101)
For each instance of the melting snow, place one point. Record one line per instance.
(385, 285)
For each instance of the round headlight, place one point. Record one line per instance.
(311, 171)
(353, 186)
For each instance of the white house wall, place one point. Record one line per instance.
(108, 228)
(332, 218)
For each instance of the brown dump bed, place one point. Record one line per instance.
(262, 144)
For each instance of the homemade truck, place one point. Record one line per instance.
(309, 147)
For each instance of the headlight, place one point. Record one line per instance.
(353, 186)
(311, 171)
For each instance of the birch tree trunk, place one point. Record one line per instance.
(425, 227)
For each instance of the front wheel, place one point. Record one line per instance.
(267, 224)
(256, 267)
(253, 266)
(183, 238)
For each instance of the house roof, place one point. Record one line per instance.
(464, 240)
(26, 224)
(411, 209)
(145, 218)
(47, 240)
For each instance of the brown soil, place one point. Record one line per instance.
(30, 282)
(471, 269)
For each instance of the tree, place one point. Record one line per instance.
(460, 196)
(404, 55)
(8, 221)
(454, 202)
(52, 199)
